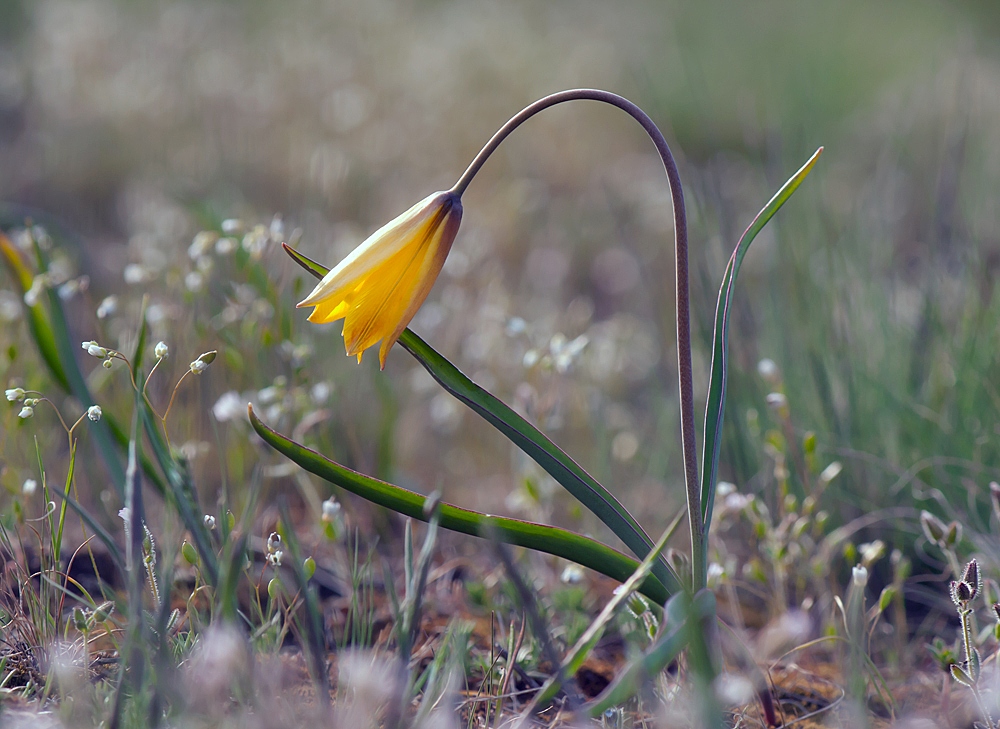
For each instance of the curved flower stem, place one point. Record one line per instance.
(684, 366)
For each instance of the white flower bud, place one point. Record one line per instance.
(201, 364)
(107, 307)
(26, 412)
(106, 364)
(768, 370)
(94, 349)
(15, 395)
(29, 486)
(273, 542)
(331, 508)
(161, 350)
(860, 576)
(209, 522)
(94, 412)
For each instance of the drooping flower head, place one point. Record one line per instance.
(380, 286)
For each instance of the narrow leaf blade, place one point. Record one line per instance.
(552, 540)
(715, 407)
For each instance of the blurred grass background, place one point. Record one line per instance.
(137, 124)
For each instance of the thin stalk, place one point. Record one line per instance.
(965, 613)
(684, 366)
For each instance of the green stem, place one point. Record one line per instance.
(685, 368)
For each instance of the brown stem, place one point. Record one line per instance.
(684, 366)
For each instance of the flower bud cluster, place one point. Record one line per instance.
(96, 350)
(19, 394)
(963, 591)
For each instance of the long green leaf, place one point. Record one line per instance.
(529, 439)
(715, 407)
(181, 493)
(38, 320)
(552, 540)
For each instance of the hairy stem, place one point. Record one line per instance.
(683, 306)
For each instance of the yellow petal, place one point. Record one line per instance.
(380, 286)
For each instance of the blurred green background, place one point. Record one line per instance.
(137, 124)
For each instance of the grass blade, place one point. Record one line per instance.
(714, 409)
(314, 616)
(578, 654)
(181, 493)
(552, 540)
(681, 610)
(529, 439)
(106, 539)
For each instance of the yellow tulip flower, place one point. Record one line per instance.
(378, 288)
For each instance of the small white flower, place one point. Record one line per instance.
(516, 325)
(571, 574)
(255, 241)
(277, 229)
(232, 225)
(26, 412)
(831, 472)
(201, 243)
(94, 349)
(275, 559)
(135, 274)
(161, 350)
(229, 407)
(74, 286)
(320, 392)
(14, 395)
(94, 412)
(860, 576)
(194, 281)
(225, 246)
(209, 522)
(715, 573)
(777, 400)
(29, 486)
(331, 508)
(769, 371)
(107, 307)
(201, 364)
(273, 543)
(268, 395)
(34, 293)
